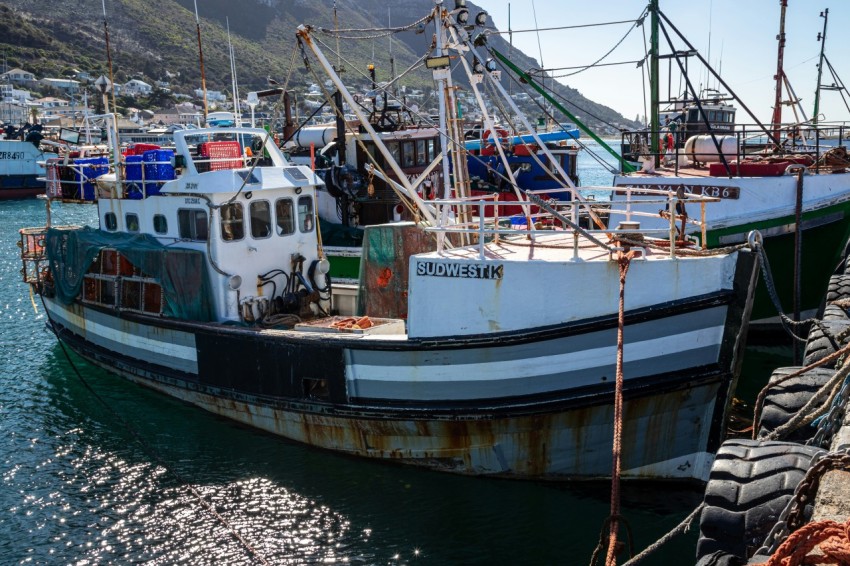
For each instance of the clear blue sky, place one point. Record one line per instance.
(743, 46)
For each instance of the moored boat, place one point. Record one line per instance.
(472, 347)
(20, 174)
(795, 191)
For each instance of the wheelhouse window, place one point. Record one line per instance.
(421, 156)
(284, 216)
(192, 223)
(305, 214)
(160, 224)
(110, 221)
(407, 156)
(132, 222)
(394, 151)
(261, 220)
(432, 150)
(232, 222)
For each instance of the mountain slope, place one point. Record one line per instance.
(155, 39)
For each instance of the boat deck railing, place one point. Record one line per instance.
(807, 141)
(478, 221)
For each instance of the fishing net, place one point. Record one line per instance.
(180, 272)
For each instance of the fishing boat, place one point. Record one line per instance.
(20, 174)
(797, 196)
(473, 347)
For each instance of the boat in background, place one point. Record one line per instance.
(20, 173)
(473, 347)
(796, 195)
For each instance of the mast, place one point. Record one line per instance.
(780, 73)
(109, 62)
(654, 96)
(116, 141)
(201, 56)
(822, 39)
(237, 119)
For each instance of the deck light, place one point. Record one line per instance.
(438, 62)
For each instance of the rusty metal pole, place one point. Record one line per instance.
(798, 254)
(776, 122)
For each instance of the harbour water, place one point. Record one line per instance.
(96, 470)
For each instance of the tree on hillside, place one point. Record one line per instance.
(159, 98)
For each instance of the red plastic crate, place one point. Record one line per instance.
(222, 154)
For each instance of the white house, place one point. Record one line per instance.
(212, 95)
(17, 76)
(135, 87)
(67, 85)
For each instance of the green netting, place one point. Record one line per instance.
(181, 273)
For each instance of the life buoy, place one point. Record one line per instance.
(501, 136)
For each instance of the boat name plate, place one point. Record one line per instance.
(11, 154)
(460, 270)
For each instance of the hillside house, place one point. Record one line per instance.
(18, 77)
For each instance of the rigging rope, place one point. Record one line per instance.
(383, 32)
(830, 538)
(536, 30)
(624, 259)
(637, 23)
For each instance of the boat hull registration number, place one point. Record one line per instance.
(714, 191)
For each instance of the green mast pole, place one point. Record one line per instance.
(627, 167)
(654, 97)
(822, 39)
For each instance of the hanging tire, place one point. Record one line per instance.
(825, 338)
(750, 483)
(838, 288)
(783, 401)
(836, 313)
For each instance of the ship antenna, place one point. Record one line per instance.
(201, 57)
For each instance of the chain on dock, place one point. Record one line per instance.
(779, 543)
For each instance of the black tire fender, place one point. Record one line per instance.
(750, 484)
(783, 401)
(825, 339)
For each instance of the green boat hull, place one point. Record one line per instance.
(824, 233)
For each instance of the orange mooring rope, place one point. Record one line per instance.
(830, 538)
(624, 260)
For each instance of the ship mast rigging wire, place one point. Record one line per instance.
(636, 23)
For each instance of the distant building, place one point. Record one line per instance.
(135, 87)
(17, 76)
(66, 85)
(166, 116)
(212, 95)
(51, 107)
